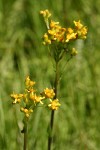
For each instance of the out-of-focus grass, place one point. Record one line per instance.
(21, 53)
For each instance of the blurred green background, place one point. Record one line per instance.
(77, 122)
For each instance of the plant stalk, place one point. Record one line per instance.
(25, 135)
(50, 137)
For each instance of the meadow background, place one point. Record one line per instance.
(77, 122)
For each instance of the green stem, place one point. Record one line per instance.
(25, 135)
(50, 137)
(56, 80)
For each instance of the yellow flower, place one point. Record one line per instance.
(28, 82)
(45, 13)
(46, 39)
(70, 30)
(55, 33)
(26, 111)
(17, 98)
(49, 93)
(83, 32)
(78, 25)
(36, 99)
(51, 32)
(71, 36)
(54, 105)
(53, 24)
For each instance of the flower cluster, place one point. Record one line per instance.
(59, 34)
(30, 99)
(54, 104)
(49, 93)
(46, 13)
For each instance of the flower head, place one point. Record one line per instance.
(45, 13)
(30, 99)
(46, 39)
(24, 99)
(70, 35)
(48, 93)
(29, 83)
(26, 111)
(17, 97)
(36, 99)
(78, 24)
(60, 35)
(80, 30)
(54, 104)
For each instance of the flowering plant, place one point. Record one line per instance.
(59, 41)
(29, 100)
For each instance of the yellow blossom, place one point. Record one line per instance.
(70, 36)
(29, 83)
(31, 90)
(83, 32)
(62, 35)
(54, 105)
(46, 39)
(70, 30)
(80, 30)
(53, 24)
(49, 93)
(36, 99)
(45, 13)
(78, 24)
(51, 32)
(26, 111)
(17, 98)
(55, 33)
